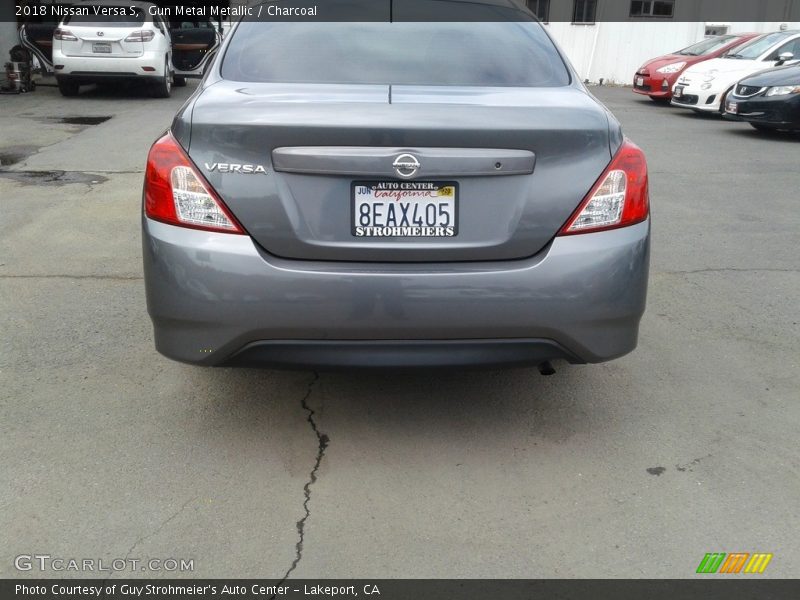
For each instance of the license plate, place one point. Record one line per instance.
(413, 209)
(640, 81)
(732, 108)
(101, 48)
(678, 92)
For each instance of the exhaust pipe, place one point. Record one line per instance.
(545, 368)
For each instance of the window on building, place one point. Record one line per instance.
(716, 29)
(664, 9)
(541, 8)
(584, 11)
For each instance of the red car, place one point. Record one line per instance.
(657, 76)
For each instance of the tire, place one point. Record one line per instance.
(179, 81)
(68, 88)
(761, 127)
(163, 86)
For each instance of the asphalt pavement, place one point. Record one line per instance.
(635, 468)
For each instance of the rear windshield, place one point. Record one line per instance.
(134, 17)
(515, 54)
(707, 46)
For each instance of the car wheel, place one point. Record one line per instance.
(68, 88)
(179, 81)
(163, 86)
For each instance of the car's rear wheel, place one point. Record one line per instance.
(163, 86)
(68, 88)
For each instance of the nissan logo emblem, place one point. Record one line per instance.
(406, 165)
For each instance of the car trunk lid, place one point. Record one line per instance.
(517, 160)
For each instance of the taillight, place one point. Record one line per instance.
(144, 35)
(176, 193)
(618, 199)
(65, 35)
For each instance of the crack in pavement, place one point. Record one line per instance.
(163, 524)
(323, 441)
(726, 270)
(99, 277)
(68, 171)
(53, 177)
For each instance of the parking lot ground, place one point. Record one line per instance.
(635, 468)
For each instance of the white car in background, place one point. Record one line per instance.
(703, 88)
(128, 43)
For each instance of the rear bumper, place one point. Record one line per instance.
(394, 354)
(86, 77)
(103, 67)
(219, 299)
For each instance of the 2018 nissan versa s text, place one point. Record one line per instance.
(392, 194)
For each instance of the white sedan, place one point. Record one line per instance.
(703, 87)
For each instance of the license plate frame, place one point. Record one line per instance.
(732, 108)
(408, 222)
(101, 47)
(678, 92)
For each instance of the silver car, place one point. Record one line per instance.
(394, 194)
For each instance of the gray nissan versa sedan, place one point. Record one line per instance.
(394, 194)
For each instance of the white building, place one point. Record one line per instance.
(610, 39)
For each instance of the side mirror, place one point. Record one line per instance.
(784, 57)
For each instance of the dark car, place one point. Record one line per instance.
(769, 100)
